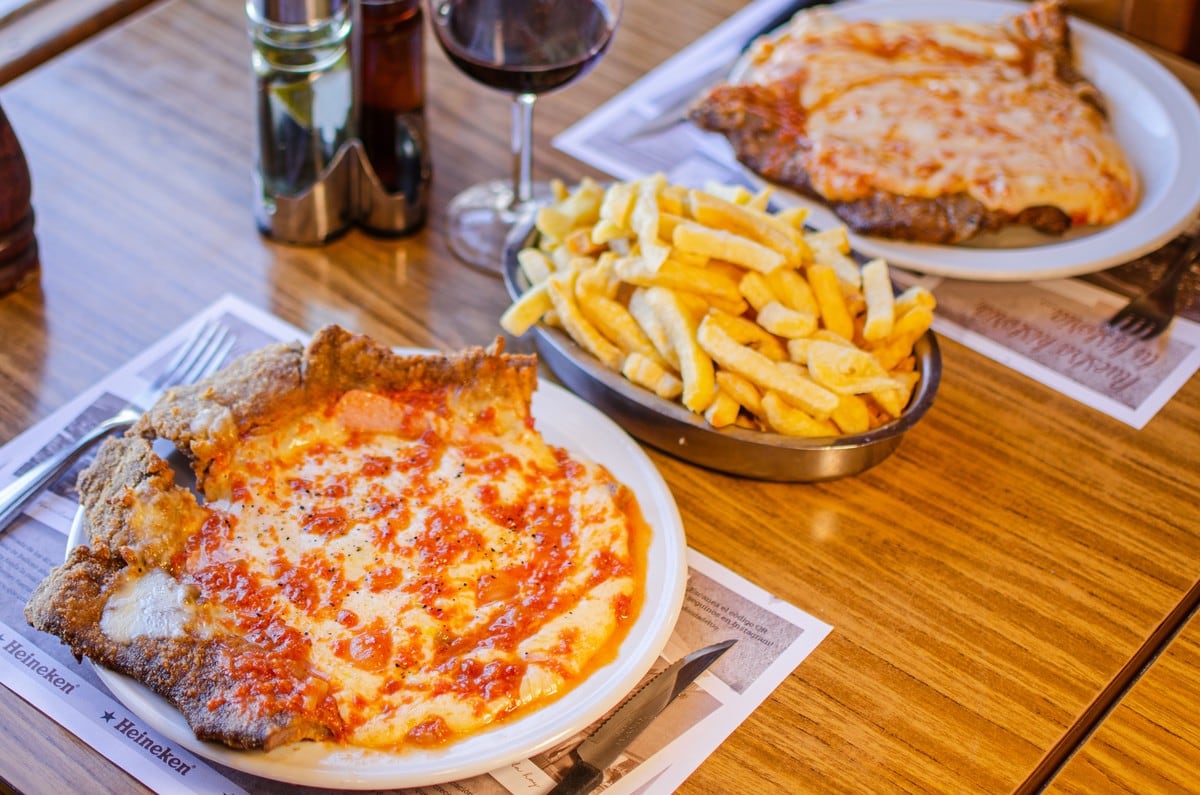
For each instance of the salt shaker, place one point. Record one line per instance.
(18, 246)
(305, 97)
(396, 168)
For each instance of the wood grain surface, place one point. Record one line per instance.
(1150, 742)
(984, 584)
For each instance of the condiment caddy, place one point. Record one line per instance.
(340, 113)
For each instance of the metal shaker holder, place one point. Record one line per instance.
(345, 193)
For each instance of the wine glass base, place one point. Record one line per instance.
(480, 219)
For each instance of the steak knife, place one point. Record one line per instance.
(605, 744)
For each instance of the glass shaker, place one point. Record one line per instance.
(305, 106)
(396, 168)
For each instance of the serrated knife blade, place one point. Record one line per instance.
(602, 748)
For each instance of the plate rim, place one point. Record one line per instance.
(352, 768)
(1105, 248)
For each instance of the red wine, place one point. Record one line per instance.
(524, 46)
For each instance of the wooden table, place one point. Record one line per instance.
(986, 584)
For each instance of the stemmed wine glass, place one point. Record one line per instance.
(527, 47)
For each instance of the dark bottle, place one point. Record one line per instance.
(391, 123)
(18, 247)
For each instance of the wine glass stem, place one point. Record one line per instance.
(522, 149)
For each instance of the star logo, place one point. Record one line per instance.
(108, 717)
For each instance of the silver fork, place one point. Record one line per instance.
(196, 358)
(1148, 315)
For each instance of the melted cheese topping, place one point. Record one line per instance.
(439, 570)
(927, 109)
(150, 605)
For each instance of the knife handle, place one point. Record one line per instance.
(581, 778)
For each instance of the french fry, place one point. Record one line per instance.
(527, 310)
(722, 411)
(600, 278)
(828, 292)
(645, 220)
(695, 366)
(877, 293)
(788, 323)
(646, 372)
(721, 244)
(791, 421)
(741, 390)
(905, 333)
(763, 373)
(677, 276)
(534, 263)
(915, 296)
(831, 247)
(613, 320)
(846, 370)
(751, 222)
(560, 287)
(852, 414)
(652, 327)
(746, 332)
(793, 291)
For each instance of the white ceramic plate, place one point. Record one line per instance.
(566, 421)
(1153, 116)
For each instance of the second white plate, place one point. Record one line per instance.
(1153, 116)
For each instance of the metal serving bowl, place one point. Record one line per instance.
(670, 427)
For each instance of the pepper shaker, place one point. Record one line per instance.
(396, 163)
(305, 104)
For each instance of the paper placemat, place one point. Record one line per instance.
(773, 636)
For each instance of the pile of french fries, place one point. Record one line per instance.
(709, 297)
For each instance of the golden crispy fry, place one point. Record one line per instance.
(764, 373)
(831, 248)
(907, 330)
(677, 276)
(615, 213)
(536, 266)
(695, 366)
(756, 289)
(615, 322)
(648, 321)
(913, 297)
(746, 332)
(645, 221)
(852, 414)
(846, 370)
(722, 411)
(648, 373)
(791, 421)
(720, 244)
(751, 222)
(794, 217)
(561, 289)
(835, 315)
(600, 278)
(793, 291)
(877, 293)
(741, 390)
(527, 310)
(894, 400)
(787, 323)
